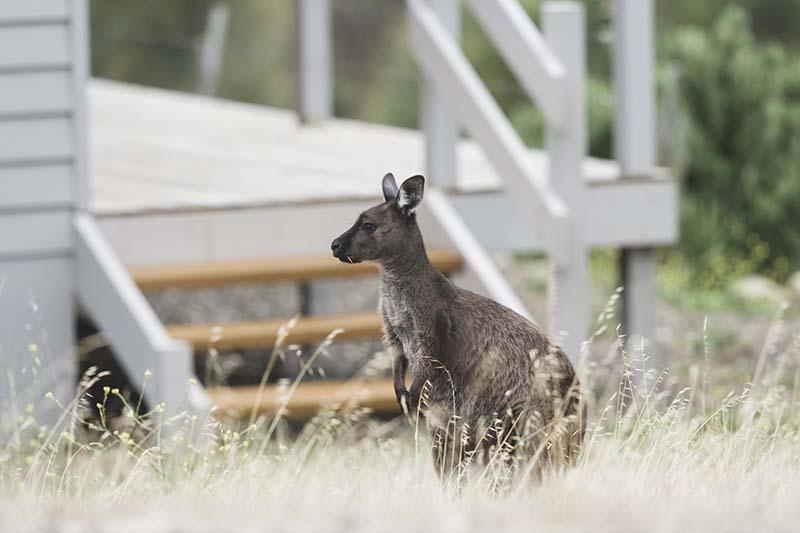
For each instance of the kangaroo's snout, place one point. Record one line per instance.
(342, 248)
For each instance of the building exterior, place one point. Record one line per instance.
(43, 73)
(55, 257)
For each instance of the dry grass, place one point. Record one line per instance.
(658, 456)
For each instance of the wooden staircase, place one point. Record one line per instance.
(297, 269)
(308, 397)
(265, 332)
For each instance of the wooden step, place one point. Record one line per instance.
(265, 333)
(307, 399)
(214, 274)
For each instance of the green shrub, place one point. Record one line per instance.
(741, 194)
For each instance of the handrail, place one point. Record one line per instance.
(527, 54)
(479, 263)
(470, 101)
(129, 324)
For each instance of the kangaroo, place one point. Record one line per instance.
(486, 379)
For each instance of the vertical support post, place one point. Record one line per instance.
(634, 144)
(314, 33)
(564, 24)
(441, 131)
(212, 48)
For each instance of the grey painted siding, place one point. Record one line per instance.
(38, 46)
(36, 332)
(16, 12)
(36, 139)
(43, 65)
(34, 233)
(40, 186)
(35, 93)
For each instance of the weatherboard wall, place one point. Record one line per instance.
(43, 68)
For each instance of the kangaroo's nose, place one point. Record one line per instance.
(335, 245)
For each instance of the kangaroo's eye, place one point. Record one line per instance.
(369, 228)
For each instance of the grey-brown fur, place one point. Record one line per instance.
(487, 380)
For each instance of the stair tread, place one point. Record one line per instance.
(267, 332)
(307, 399)
(213, 274)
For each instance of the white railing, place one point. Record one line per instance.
(479, 262)
(552, 71)
(132, 329)
(525, 50)
(467, 98)
(314, 32)
(562, 215)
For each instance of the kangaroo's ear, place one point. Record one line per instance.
(410, 194)
(389, 187)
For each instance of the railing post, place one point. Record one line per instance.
(634, 144)
(441, 131)
(314, 34)
(314, 59)
(570, 295)
(212, 49)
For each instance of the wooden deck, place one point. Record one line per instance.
(155, 151)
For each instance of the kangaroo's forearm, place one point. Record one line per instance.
(399, 369)
(417, 389)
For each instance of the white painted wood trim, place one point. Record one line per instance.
(299, 229)
(635, 147)
(639, 215)
(441, 131)
(479, 264)
(570, 294)
(212, 48)
(631, 213)
(638, 266)
(315, 59)
(527, 54)
(634, 89)
(129, 324)
(467, 98)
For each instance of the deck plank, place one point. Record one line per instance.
(267, 333)
(307, 400)
(273, 270)
(156, 151)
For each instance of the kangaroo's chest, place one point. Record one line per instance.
(399, 317)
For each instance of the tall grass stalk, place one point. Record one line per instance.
(661, 456)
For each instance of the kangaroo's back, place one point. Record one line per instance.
(518, 361)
